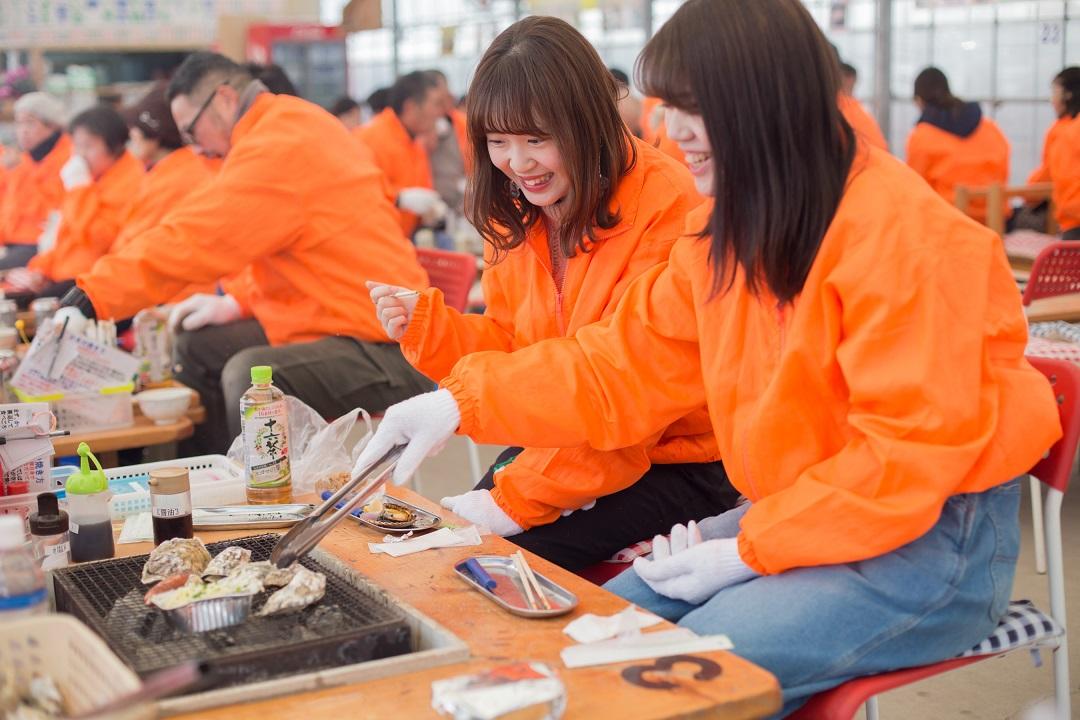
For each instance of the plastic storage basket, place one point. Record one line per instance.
(215, 480)
(104, 410)
(74, 657)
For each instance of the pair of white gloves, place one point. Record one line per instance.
(695, 563)
(425, 202)
(76, 173)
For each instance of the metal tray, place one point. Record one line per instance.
(249, 517)
(509, 592)
(423, 521)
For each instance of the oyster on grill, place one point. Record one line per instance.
(305, 588)
(176, 556)
(226, 561)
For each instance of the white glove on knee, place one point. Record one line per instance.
(422, 423)
(418, 200)
(394, 313)
(686, 568)
(478, 507)
(203, 309)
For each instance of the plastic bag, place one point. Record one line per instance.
(317, 450)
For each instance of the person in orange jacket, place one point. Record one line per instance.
(1061, 164)
(862, 122)
(451, 156)
(395, 137)
(100, 180)
(296, 222)
(859, 344)
(572, 208)
(34, 192)
(955, 144)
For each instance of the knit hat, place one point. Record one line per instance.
(44, 107)
(151, 114)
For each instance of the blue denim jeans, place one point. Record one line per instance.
(815, 628)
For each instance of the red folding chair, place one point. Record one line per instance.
(842, 702)
(1056, 271)
(452, 272)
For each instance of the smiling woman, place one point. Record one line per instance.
(573, 209)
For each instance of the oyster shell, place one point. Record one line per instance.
(226, 561)
(305, 588)
(175, 556)
(280, 577)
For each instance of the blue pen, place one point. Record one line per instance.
(357, 512)
(480, 574)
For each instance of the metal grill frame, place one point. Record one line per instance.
(251, 652)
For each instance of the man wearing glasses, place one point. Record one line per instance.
(295, 221)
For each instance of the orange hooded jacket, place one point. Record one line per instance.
(1065, 174)
(461, 131)
(90, 221)
(33, 191)
(1041, 174)
(946, 160)
(894, 380)
(168, 182)
(524, 306)
(862, 122)
(402, 158)
(311, 221)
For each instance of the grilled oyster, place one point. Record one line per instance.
(226, 561)
(305, 588)
(176, 556)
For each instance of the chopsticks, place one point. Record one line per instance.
(533, 589)
(59, 342)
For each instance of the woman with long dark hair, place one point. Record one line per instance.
(1062, 152)
(859, 344)
(955, 144)
(572, 209)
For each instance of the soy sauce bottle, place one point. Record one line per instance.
(170, 503)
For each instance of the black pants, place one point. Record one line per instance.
(665, 495)
(333, 375)
(17, 256)
(1073, 234)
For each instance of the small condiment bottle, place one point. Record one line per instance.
(88, 510)
(170, 503)
(49, 533)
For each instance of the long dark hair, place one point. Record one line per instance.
(1069, 80)
(105, 122)
(541, 77)
(932, 87)
(765, 82)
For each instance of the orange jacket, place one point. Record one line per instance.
(403, 159)
(862, 122)
(946, 160)
(1065, 174)
(895, 380)
(91, 219)
(1041, 174)
(311, 220)
(33, 191)
(461, 130)
(649, 132)
(162, 188)
(524, 306)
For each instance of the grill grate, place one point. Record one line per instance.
(351, 624)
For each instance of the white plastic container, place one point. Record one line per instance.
(75, 658)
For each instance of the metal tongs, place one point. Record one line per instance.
(306, 534)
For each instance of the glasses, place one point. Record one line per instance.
(187, 133)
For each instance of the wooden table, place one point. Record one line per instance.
(425, 581)
(1060, 307)
(144, 433)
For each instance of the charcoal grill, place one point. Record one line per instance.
(353, 623)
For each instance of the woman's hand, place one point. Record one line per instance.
(394, 307)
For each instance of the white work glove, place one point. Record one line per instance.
(76, 321)
(479, 508)
(418, 200)
(724, 525)
(76, 173)
(686, 568)
(203, 309)
(422, 423)
(394, 313)
(25, 280)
